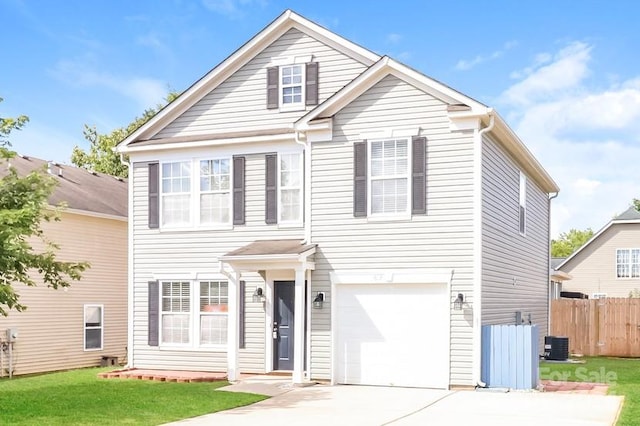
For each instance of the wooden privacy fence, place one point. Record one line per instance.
(598, 327)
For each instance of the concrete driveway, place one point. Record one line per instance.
(368, 405)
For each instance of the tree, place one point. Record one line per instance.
(23, 206)
(101, 156)
(636, 204)
(568, 242)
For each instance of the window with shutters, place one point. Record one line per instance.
(207, 203)
(522, 209)
(294, 85)
(93, 327)
(389, 183)
(184, 322)
(290, 188)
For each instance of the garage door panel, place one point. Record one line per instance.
(393, 335)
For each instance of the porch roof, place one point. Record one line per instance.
(260, 253)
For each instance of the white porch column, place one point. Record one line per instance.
(232, 327)
(298, 327)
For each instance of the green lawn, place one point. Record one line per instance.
(622, 374)
(80, 398)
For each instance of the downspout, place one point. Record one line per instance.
(307, 238)
(551, 197)
(130, 351)
(477, 288)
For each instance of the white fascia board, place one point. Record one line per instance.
(391, 276)
(89, 213)
(208, 142)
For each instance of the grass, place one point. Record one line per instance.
(79, 397)
(622, 375)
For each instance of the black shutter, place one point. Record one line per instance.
(360, 178)
(238, 190)
(154, 199)
(271, 189)
(272, 87)
(241, 316)
(311, 78)
(419, 176)
(154, 314)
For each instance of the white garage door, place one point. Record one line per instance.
(393, 335)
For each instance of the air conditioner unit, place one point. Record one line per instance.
(556, 348)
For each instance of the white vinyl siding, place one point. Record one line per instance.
(441, 239)
(188, 252)
(93, 327)
(515, 271)
(628, 263)
(239, 103)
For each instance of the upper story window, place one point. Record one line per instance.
(207, 203)
(290, 188)
(522, 209)
(628, 263)
(389, 177)
(291, 85)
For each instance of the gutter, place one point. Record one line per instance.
(477, 287)
(130, 312)
(307, 186)
(551, 197)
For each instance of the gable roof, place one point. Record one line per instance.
(240, 57)
(82, 191)
(631, 215)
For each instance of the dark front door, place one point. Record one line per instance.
(283, 313)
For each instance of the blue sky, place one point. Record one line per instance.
(564, 74)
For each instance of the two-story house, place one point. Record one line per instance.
(310, 206)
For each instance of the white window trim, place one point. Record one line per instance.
(290, 223)
(387, 216)
(194, 318)
(522, 203)
(630, 264)
(194, 196)
(85, 328)
(294, 106)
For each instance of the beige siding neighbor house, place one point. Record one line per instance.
(608, 265)
(310, 206)
(75, 327)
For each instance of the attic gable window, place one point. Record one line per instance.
(293, 85)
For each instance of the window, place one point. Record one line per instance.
(176, 193)
(389, 177)
(628, 263)
(214, 299)
(215, 191)
(291, 85)
(203, 322)
(290, 188)
(93, 327)
(522, 211)
(176, 310)
(211, 199)
(599, 295)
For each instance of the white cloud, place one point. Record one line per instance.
(467, 64)
(587, 137)
(393, 38)
(147, 92)
(233, 8)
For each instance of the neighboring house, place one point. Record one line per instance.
(312, 207)
(608, 265)
(76, 326)
(556, 278)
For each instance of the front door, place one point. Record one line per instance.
(283, 313)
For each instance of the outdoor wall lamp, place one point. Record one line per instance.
(258, 295)
(457, 304)
(318, 301)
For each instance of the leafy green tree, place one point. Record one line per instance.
(636, 204)
(23, 207)
(568, 242)
(101, 156)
